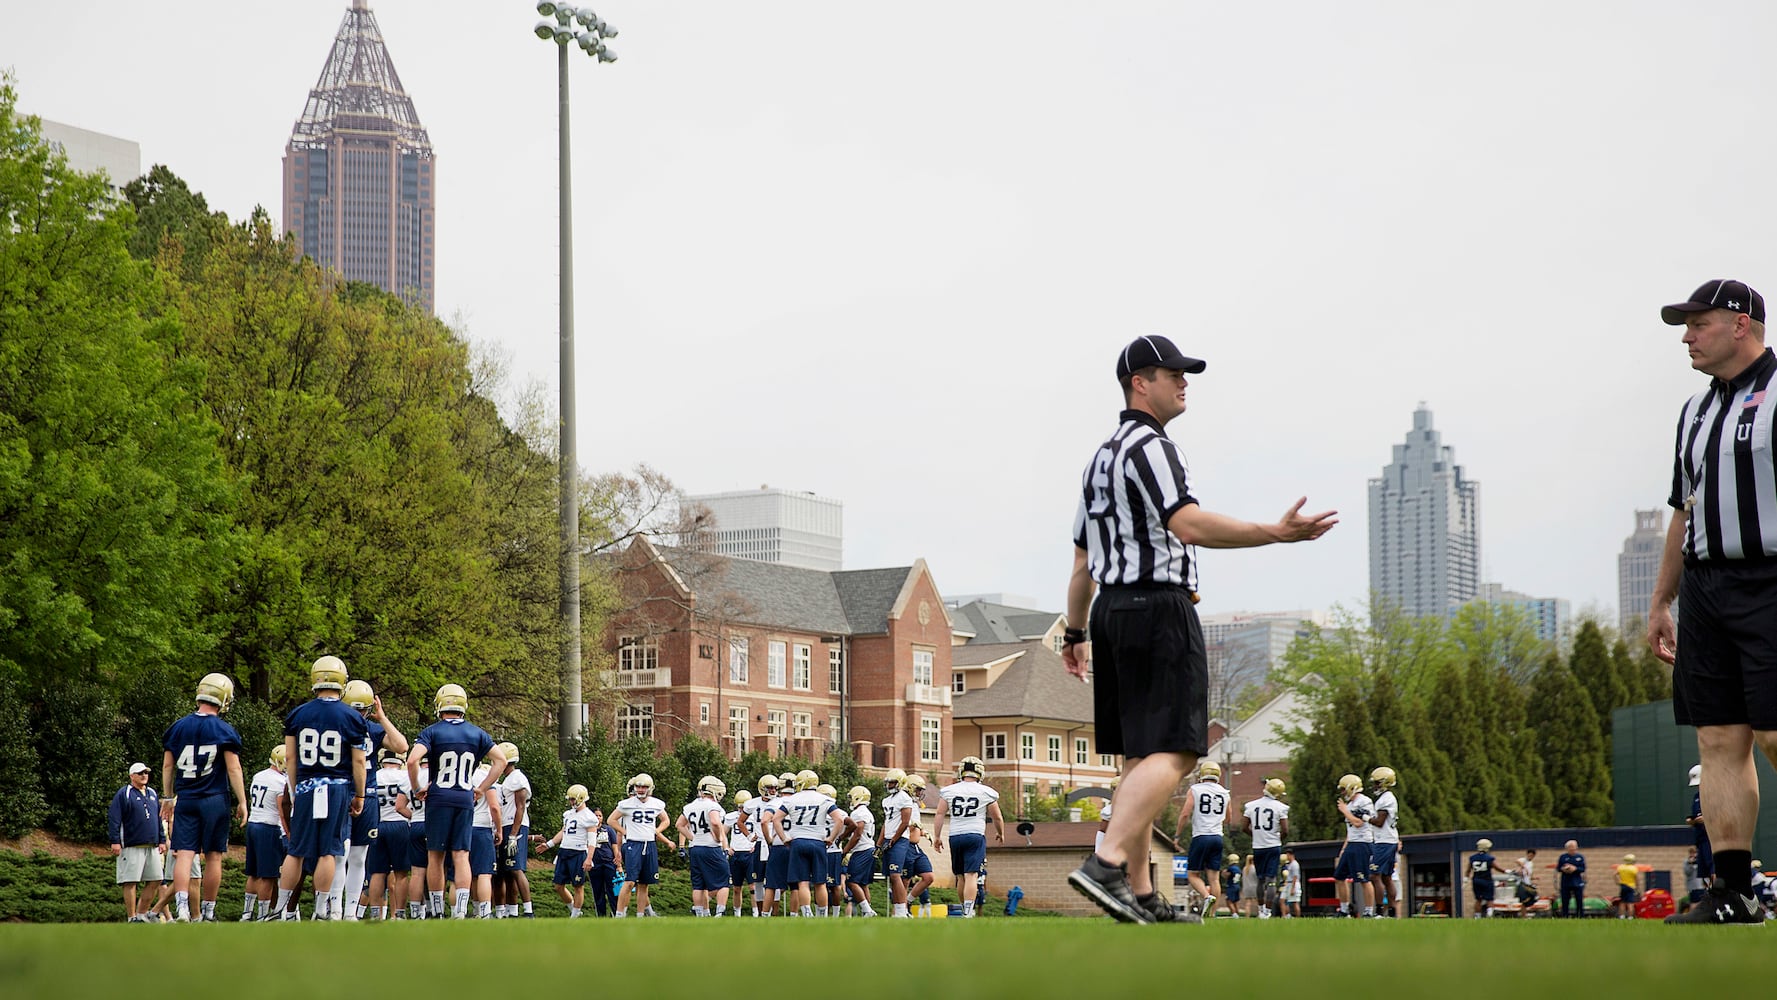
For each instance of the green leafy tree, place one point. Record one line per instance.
(1455, 713)
(1570, 742)
(20, 781)
(1524, 791)
(1427, 790)
(1595, 670)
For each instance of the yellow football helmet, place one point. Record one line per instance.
(359, 695)
(768, 783)
(328, 674)
(508, 751)
(216, 689)
(1274, 787)
(915, 785)
(389, 755)
(786, 782)
(712, 786)
(1209, 770)
(742, 797)
(277, 756)
(806, 779)
(642, 784)
(859, 795)
(1350, 785)
(1483, 844)
(1116, 779)
(451, 698)
(970, 767)
(1383, 778)
(578, 795)
(828, 790)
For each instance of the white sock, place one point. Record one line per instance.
(461, 907)
(483, 909)
(283, 900)
(264, 908)
(968, 907)
(435, 899)
(248, 902)
(182, 904)
(207, 908)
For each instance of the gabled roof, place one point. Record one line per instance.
(846, 602)
(988, 622)
(1036, 685)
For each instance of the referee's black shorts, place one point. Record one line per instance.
(1150, 672)
(1726, 672)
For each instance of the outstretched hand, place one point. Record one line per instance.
(1294, 526)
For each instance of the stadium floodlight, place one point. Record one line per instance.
(546, 8)
(545, 29)
(586, 17)
(607, 56)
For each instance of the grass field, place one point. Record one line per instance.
(880, 958)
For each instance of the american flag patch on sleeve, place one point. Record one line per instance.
(1752, 399)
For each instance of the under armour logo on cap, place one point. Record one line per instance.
(1722, 293)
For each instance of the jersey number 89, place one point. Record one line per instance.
(317, 749)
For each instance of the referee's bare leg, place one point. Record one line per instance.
(1148, 783)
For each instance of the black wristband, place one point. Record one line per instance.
(1073, 636)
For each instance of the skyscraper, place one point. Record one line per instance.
(1637, 566)
(359, 172)
(777, 526)
(1425, 527)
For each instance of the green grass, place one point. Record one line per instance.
(1003, 958)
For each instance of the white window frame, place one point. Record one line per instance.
(739, 725)
(931, 750)
(635, 720)
(776, 660)
(835, 671)
(1027, 746)
(1054, 749)
(776, 723)
(1059, 642)
(1081, 751)
(802, 725)
(1104, 760)
(703, 713)
(637, 652)
(993, 746)
(834, 725)
(737, 659)
(802, 667)
(922, 666)
(959, 683)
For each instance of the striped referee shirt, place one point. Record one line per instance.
(1134, 485)
(1725, 472)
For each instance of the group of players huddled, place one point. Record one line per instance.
(1272, 877)
(381, 825)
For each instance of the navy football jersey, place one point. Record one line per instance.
(326, 732)
(1480, 866)
(455, 748)
(197, 743)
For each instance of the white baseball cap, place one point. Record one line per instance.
(138, 768)
(1696, 775)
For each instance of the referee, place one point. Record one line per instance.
(1720, 562)
(1136, 521)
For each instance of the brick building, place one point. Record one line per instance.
(787, 660)
(1018, 709)
(1039, 863)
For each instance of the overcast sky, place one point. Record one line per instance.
(887, 253)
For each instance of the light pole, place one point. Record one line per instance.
(582, 27)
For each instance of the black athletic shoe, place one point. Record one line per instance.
(1164, 912)
(1108, 886)
(1720, 905)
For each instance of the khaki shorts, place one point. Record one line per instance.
(197, 865)
(138, 864)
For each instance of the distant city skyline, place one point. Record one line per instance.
(1637, 567)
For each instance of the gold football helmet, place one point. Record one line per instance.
(970, 767)
(894, 779)
(451, 698)
(577, 794)
(768, 783)
(712, 786)
(1350, 785)
(216, 689)
(859, 795)
(277, 756)
(359, 695)
(1209, 770)
(328, 674)
(806, 779)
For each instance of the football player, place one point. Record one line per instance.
(324, 743)
(387, 863)
(1267, 818)
(830, 889)
(741, 850)
(764, 895)
(201, 761)
(486, 828)
(572, 862)
(807, 821)
(898, 811)
(512, 883)
(860, 852)
(1104, 816)
(1481, 866)
(265, 837)
(416, 848)
(1385, 828)
(919, 864)
(454, 745)
(968, 804)
(1206, 808)
(703, 831)
(776, 850)
(349, 879)
(1232, 885)
(644, 828)
(1352, 870)
(607, 865)
(1292, 885)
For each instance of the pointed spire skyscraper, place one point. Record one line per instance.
(359, 172)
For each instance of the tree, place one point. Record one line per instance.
(1596, 673)
(1427, 790)
(1456, 714)
(1342, 741)
(1570, 742)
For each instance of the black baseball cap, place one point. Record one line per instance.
(1722, 293)
(1158, 352)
